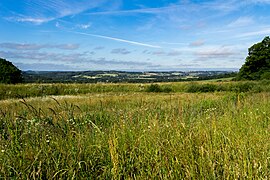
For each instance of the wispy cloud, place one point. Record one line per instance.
(215, 53)
(158, 53)
(66, 59)
(174, 53)
(21, 46)
(99, 48)
(164, 53)
(197, 43)
(45, 67)
(216, 5)
(43, 56)
(123, 51)
(241, 21)
(263, 32)
(40, 11)
(116, 39)
(84, 26)
(104, 61)
(30, 19)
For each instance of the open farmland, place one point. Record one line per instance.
(199, 130)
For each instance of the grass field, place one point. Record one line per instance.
(207, 130)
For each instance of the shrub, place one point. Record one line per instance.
(154, 88)
(193, 88)
(243, 87)
(158, 88)
(167, 89)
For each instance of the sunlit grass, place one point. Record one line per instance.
(138, 135)
(40, 90)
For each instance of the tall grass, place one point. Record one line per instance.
(41, 90)
(222, 135)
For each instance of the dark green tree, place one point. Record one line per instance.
(9, 73)
(257, 65)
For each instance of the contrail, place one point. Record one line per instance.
(117, 39)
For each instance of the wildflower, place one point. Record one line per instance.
(2, 150)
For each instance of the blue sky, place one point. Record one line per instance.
(130, 34)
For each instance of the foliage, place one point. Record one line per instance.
(154, 88)
(158, 88)
(195, 87)
(257, 65)
(9, 73)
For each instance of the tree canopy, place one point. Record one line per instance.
(9, 73)
(257, 65)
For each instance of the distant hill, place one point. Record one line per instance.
(121, 76)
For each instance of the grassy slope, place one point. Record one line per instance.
(137, 135)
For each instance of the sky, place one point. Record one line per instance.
(131, 35)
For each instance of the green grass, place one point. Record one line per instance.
(134, 134)
(221, 79)
(41, 90)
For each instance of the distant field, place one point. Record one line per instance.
(40, 90)
(220, 80)
(206, 130)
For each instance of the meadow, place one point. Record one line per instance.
(191, 130)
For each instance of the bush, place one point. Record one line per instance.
(266, 75)
(167, 89)
(243, 87)
(158, 88)
(154, 88)
(193, 88)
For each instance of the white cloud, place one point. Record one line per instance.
(117, 39)
(163, 53)
(216, 53)
(57, 24)
(40, 11)
(174, 53)
(262, 32)
(197, 43)
(30, 19)
(99, 48)
(84, 26)
(45, 67)
(26, 46)
(241, 21)
(123, 51)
